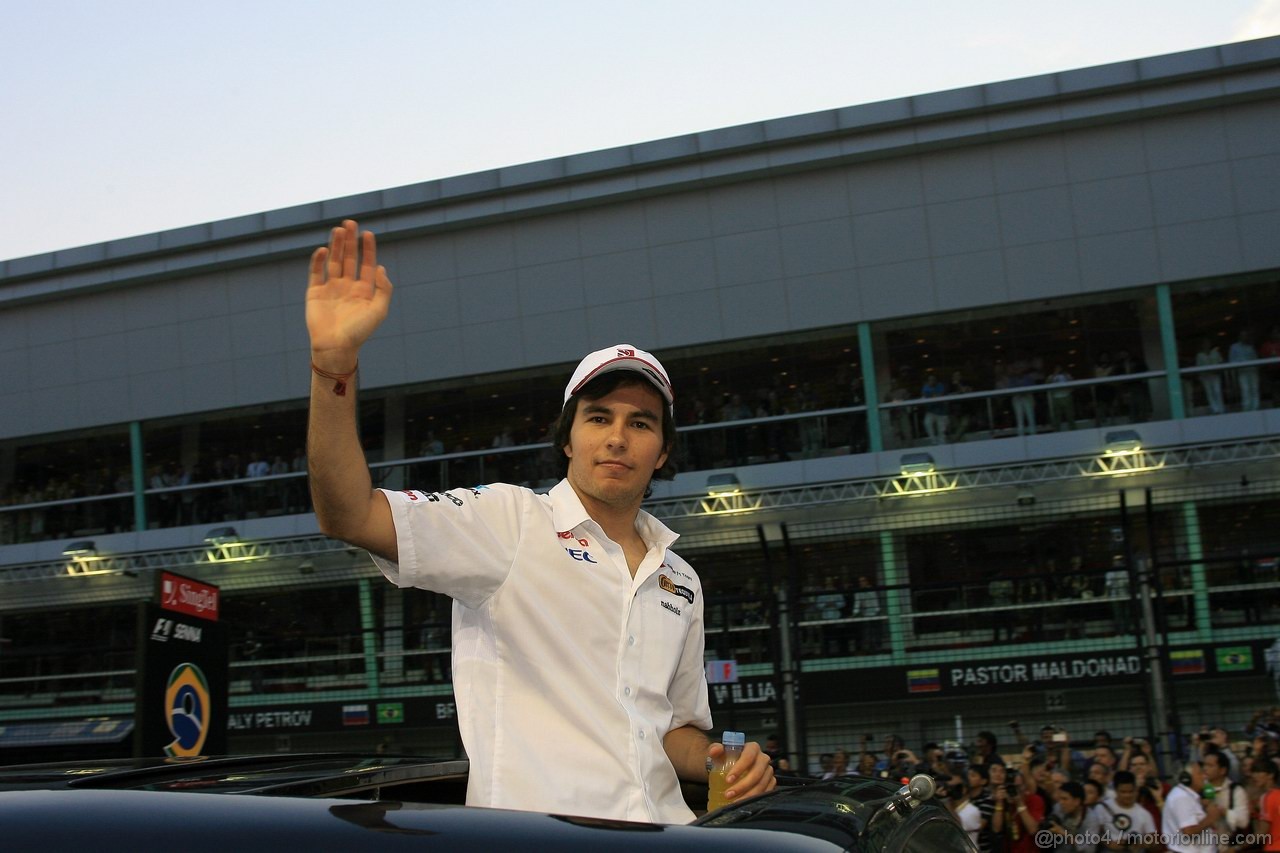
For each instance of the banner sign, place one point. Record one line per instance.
(757, 691)
(188, 596)
(1035, 672)
(181, 691)
(349, 715)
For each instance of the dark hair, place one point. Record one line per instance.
(1074, 789)
(989, 737)
(1092, 783)
(1217, 756)
(981, 770)
(1266, 765)
(1123, 777)
(602, 386)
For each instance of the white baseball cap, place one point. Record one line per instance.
(621, 357)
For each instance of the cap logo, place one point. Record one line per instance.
(626, 353)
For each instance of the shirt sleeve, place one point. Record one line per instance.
(461, 543)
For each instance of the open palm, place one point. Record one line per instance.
(348, 294)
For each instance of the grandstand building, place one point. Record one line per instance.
(979, 394)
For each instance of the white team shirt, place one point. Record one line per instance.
(1182, 808)
(970, 817)
(567, 672)
(1116, 821)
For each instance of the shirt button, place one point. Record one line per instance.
(631, 641)
(627, 692)
(642, 734)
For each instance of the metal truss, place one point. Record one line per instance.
(719, 505)
(1145, 461)
(178, 559)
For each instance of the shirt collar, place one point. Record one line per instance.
(567, 512)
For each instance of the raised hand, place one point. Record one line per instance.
(348, 295)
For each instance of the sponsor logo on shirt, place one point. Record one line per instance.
(671, 607)
(580, 555)
(676, 571)
(568, 534)
(670, 586)
(435, 497)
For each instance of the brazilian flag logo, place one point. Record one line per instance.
(186, 710)
(390, 712)
(1235, 659)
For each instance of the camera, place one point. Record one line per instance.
(1011, 790)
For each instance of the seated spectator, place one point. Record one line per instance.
(839, 765)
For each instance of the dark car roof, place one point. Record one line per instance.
(389, 802)
(108, 821)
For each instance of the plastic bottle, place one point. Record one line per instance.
(733, 744)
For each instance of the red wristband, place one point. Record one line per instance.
(339, 379)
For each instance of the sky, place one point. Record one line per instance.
(126, 117)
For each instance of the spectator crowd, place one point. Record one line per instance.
(1217, 793)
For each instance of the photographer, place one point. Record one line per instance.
(1070, 822)
(998, 793)
(1216, 738)
(977, 778)
(1017, 814)
(1138, 760)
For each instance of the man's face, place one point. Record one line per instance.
(615, 445)
(975, 781)
(1069, 803)
(1098, 773)
(1126, 795)
(1104, 755)
(1215, 769)
(1218, 737)
(1139, 765)
(998, 775)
